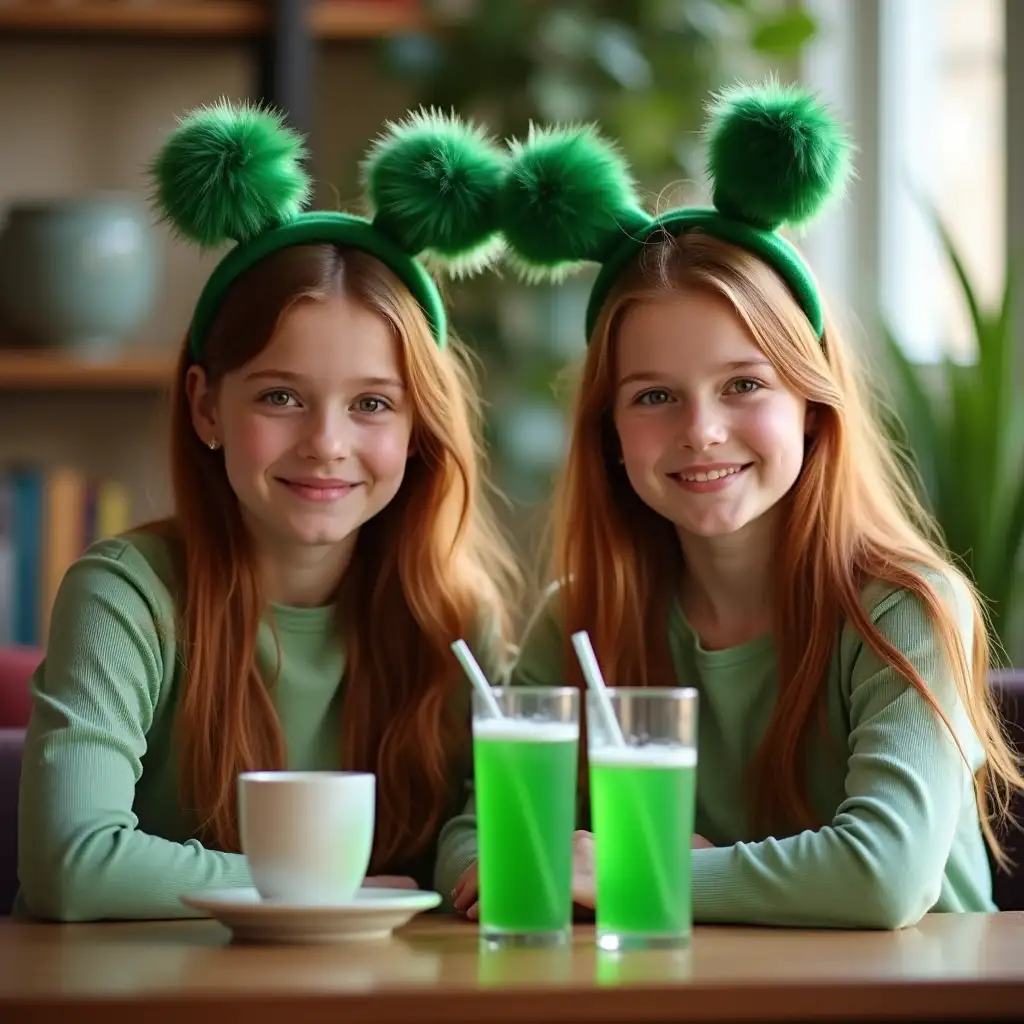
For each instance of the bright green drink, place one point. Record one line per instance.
(642, 801)
(526, 775)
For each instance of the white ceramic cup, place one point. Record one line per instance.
(307, 835)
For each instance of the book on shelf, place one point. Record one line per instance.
(48, 517)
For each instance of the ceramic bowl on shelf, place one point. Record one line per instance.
(77, 274)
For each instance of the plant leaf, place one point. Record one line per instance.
(968, 439)
(985, 399)
(1004, 582)
(916, 415)
(784, 34)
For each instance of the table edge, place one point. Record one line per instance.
(816, 1000)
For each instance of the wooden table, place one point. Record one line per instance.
(189, 972)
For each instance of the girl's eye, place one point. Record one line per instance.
(656, 396)
(278, 399)
(372, 404)
(744, 386)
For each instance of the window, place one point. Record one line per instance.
(941, 100)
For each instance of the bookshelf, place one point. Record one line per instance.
(28, 370)
(328, 19)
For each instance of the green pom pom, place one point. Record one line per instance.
(775, 155)
(569, 198)
(230, 172)
(433, 183)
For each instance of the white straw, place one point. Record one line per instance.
(595, 682)
(476, 676)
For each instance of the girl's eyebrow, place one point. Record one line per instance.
(369, 382)
(758, 362)
(643, 375)
(731, 367)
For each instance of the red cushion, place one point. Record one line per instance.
(16, 667)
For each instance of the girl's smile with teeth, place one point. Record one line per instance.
(707, 474)
(709, 480)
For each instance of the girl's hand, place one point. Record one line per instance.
(584, 889)
(467, 888)
(700, 843)
(465, 892)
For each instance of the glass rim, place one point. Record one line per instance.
(287, 775)
(547, 691)
(677, 692)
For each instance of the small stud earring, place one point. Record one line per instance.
(213, 444)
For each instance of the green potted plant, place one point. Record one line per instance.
(962, 424)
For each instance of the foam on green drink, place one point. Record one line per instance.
(642, 801)
(526, 808)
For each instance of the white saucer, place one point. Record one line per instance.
(372, 914)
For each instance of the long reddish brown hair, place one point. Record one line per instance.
(852, 517)
(431, 567)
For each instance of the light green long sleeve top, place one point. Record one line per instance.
(102, 833)
(902, 836)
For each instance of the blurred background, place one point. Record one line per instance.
(95, 297)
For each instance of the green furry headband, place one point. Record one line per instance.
(441, 191)
(775, 157)
(233, 173)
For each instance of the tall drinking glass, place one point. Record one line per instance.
(642, 796)
(525, 766)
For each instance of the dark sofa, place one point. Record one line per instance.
(10, 771)
(1008, 887)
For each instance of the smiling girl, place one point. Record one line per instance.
(328, 543)
(731, 518)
